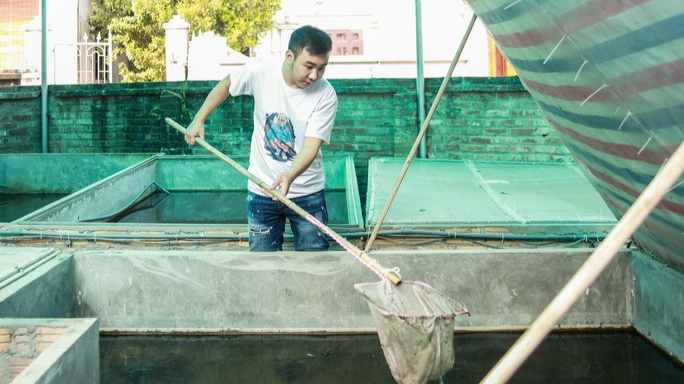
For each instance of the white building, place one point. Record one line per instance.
(70, 57)
(386, 32)
(372, 39)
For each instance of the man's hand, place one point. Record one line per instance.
(283, 181)
(195, 129)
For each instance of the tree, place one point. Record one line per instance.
(138, 32)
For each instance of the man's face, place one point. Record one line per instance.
(306, 69)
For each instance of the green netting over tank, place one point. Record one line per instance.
(449, 193)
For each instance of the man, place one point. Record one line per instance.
(294, 110)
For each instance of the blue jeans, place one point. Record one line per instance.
(266, 219)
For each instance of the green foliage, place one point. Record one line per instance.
(138, 32)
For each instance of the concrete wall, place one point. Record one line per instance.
(114, 193)
(213, 291)
(658, 303)
(294, 292)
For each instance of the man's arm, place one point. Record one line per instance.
(300, 164)
(213, 100)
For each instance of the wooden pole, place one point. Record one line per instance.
(589, 271)
(420, 136)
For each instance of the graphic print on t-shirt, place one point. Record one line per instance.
(279, 137)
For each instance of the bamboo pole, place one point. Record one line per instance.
(589, 271)
(420, 136)
(372, 264)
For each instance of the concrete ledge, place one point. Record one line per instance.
(49, 351)
(43, 289)
(185, 291)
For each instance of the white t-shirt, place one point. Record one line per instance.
(283, 116)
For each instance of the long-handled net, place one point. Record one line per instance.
(415, 322)
(416, 328)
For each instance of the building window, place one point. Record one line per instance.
(346, 42)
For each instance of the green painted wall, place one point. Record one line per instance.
(20, 120)
(28, 173)
(478, 118)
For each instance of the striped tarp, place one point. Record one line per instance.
(609, 76)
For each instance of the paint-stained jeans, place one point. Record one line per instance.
(266, 219)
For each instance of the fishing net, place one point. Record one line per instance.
(415, 325)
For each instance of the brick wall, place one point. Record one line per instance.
(20, 345)
(20, 118)
(477, 118)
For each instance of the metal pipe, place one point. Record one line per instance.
(20, 271)
(109, 56)
(43, 76)
(420, 78)
(102, 234)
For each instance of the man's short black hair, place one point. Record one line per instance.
(316, 41)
